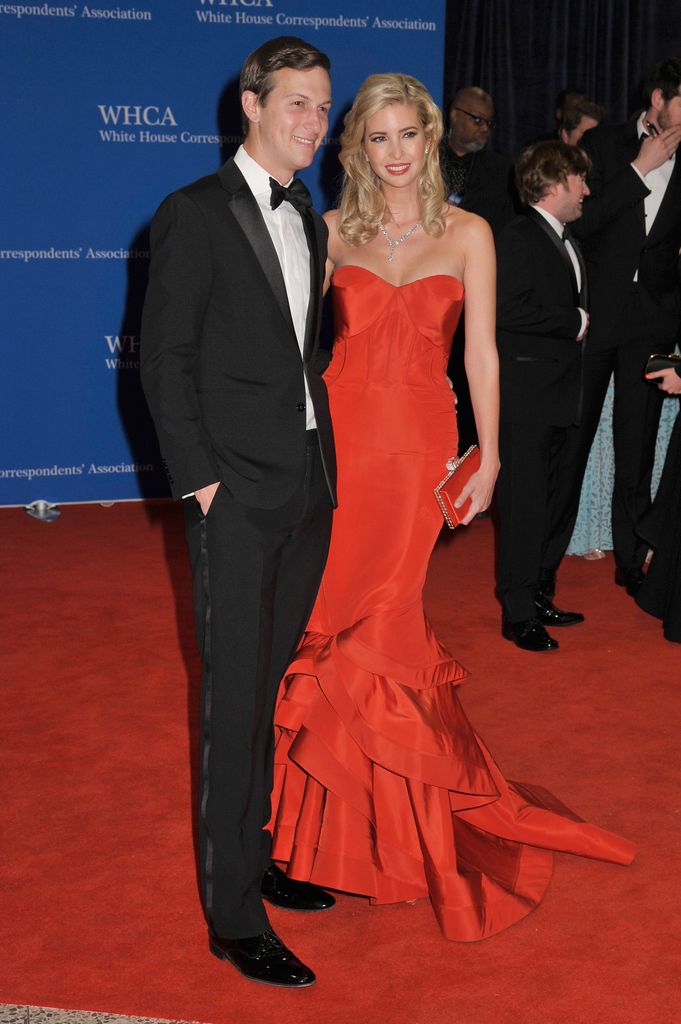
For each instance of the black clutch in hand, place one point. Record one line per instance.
(658, 362)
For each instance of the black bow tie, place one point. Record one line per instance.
(296, 194)
(566, 233)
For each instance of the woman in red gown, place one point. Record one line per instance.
(381, 785)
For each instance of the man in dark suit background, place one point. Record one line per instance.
(229, 342)
(580, 115)
(476, 178)
(541, 324)
(481, 181)
(631, 233)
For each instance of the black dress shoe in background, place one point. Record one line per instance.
(549, 615)
(630, 579)
(289, 894)
(547, 582)
(263, 958)
(528, 635)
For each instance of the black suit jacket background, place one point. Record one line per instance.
(490, 190)
(537, 325)
(221, 365)
(614, 242)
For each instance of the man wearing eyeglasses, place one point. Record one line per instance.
(476, 178)
(480, 181)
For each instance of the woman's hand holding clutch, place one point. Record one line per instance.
(479, 489)
(467, 488)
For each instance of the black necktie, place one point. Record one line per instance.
(566, 233)
(296, 194)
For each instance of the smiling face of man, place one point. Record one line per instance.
(286, 130)
(565, 200)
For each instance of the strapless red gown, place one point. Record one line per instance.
(381, 785)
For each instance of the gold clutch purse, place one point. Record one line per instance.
(460, 470)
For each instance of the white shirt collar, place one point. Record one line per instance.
(641, 129)
(257, 178)
(553, 221)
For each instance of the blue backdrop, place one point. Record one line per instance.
(113, 105)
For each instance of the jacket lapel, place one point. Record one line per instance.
(630, 147)
(559, 245)
(583, 298)
(247, 214)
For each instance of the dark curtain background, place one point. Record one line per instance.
(523, 52)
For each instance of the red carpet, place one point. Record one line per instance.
(100, 909)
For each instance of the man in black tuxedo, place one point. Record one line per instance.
(481, 181)
(631, 233)
(229, 347)
(541, 324)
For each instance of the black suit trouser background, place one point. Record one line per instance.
(256, 576)
(531, 464)
(456, 371)
(636, 416)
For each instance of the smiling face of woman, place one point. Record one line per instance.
(395, 144)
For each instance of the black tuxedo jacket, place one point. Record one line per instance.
(221, 365)
(538, 322)
(614, 242)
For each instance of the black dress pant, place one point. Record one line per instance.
(531, 465)
(256, 576)
(636, 417)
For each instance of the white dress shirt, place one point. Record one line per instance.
(285, 227)
(656, 180)
(558, 228)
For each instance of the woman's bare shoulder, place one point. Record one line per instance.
(467, 226)
(338, 247)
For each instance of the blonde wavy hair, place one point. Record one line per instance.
(362, 205)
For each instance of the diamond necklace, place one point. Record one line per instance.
(394, 244)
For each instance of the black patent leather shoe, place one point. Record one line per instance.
(630, 579)
(528, 635)
(263, 958)
(549, 615)
(289, 894)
